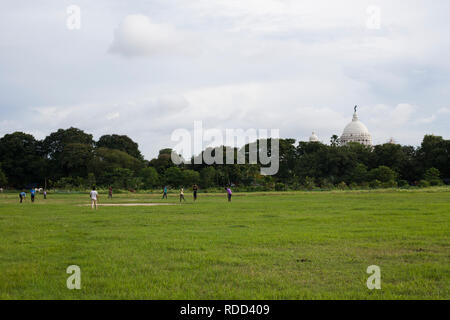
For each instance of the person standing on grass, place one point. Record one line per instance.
(22, 196)
(33, 194)
(94, 198)
(182, 195)
(110, 193)
(45, 194)
(229, 193)
(165, 192)
(195, 189)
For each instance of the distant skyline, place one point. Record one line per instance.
(146, 68)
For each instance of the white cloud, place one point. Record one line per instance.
(426, 120)
(401, 114)
(113, 116)
(444, 111)
(138, 35)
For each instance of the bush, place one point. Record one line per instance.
(296, 186)
(256, 188)
(269, 184)
(375, 184)
(65, 183)
(326, 184)
(309, 183)
(342, 186)
(403, 184)
(364, 185)
(353, 186)
(150, 177)
(383, 174)
(389, 184)
(424, 184)
(433, 176)
(280, 187)
(436, 182)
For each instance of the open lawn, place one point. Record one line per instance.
(296, 245)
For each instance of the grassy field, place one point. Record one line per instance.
(314, 245)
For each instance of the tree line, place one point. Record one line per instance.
(71, 158)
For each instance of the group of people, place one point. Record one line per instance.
(194, 191)
(23, 195)
(94, 194)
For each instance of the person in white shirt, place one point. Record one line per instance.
(94, 198)
(182, 195)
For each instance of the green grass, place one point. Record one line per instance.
(295, 245)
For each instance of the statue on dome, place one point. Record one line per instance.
(356, 131)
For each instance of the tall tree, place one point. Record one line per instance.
(106, 160)
(390, 155)
(434, 152)
(3, 179)
(174, 177)
(287, 160)
(190, 177)
(150, 177)
(22, 159)
(55, 142)
(61, 145)
(163, 161)
(122, 143)
(76, 159)
(208, 177)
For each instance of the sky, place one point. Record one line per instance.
(147, 68)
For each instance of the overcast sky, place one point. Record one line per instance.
(146, 68)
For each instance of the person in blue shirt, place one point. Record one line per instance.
(165, 193)
(22, 196)
(33, 193)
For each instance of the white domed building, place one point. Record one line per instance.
(356, 131)
(314, 138)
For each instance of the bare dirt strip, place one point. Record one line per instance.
(129, 204)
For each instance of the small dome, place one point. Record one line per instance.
(392, 141)
(314, 138)
(356, 131)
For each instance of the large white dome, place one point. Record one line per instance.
(356, 131)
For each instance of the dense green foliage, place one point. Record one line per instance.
(122, 143)
(72, 159)
(3, 179)
(290, 245)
